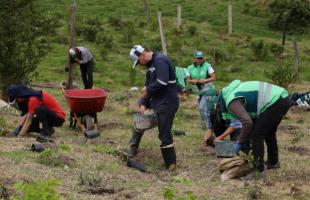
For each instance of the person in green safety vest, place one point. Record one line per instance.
(181, 74)
(201, 76)
(260, 107)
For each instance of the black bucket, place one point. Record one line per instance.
(37, 147)
(92, 134)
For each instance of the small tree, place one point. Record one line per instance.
(289, 15)
(282, 75)
(25, 35)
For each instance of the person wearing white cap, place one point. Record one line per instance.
(84, 58)
(159, 93)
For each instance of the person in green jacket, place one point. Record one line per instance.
(201, 76)
(260, 107)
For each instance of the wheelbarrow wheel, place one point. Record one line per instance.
(88, 122)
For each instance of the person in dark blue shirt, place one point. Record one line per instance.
(159, 93)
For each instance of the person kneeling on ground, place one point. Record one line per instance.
(40, 110)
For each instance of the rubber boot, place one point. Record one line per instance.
(169, 157)
(134, 143)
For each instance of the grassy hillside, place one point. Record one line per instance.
(89, 169)
(121, 24)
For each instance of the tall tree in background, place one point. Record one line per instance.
(289, 16)
(24, 39)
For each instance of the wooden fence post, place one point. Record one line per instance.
(71, 44)
(229, 17)
(179, 17)
(162, 35)
(294, 42)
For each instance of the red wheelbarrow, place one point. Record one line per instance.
(84, 105)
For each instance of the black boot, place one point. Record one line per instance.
(134, 143)
(169, 156)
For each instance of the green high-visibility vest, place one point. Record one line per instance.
(198, 73)
(257, 95)
(181, 77)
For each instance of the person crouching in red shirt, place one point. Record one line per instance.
(40, 110)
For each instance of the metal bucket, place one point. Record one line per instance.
(145, 121)
(224, 149)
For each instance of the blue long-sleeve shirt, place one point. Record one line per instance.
(161, 83)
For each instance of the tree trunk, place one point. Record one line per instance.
(71, 44)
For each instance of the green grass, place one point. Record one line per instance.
(112, 73)
(208, 16)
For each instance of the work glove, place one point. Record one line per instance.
(302, 101)
(16, 131)
(236, 147)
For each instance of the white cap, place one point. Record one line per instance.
(72, 52)
(135, 52)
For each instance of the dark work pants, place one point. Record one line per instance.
(48, 119)
(87, 74)
(165, 118)
(264, 129)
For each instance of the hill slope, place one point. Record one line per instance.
(121, 24)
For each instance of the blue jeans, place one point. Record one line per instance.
(205, 113)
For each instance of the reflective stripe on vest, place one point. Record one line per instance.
(263, 95)
(164, 83)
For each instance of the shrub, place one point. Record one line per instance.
(20, 51)
(128, 31)
(53, 158)
(105, 40)
(192, 30)
(276, 49)
(2, 126)
(218, 55)
(260, 49)
(104, 53)
(4, 193)
(64, 147)
(89, 28)
(254, 192)
(115, 21)
(40, 189)
(170, 192)
(282, 75)
(89, 179)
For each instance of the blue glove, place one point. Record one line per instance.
(236, 147)
(17, 130)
